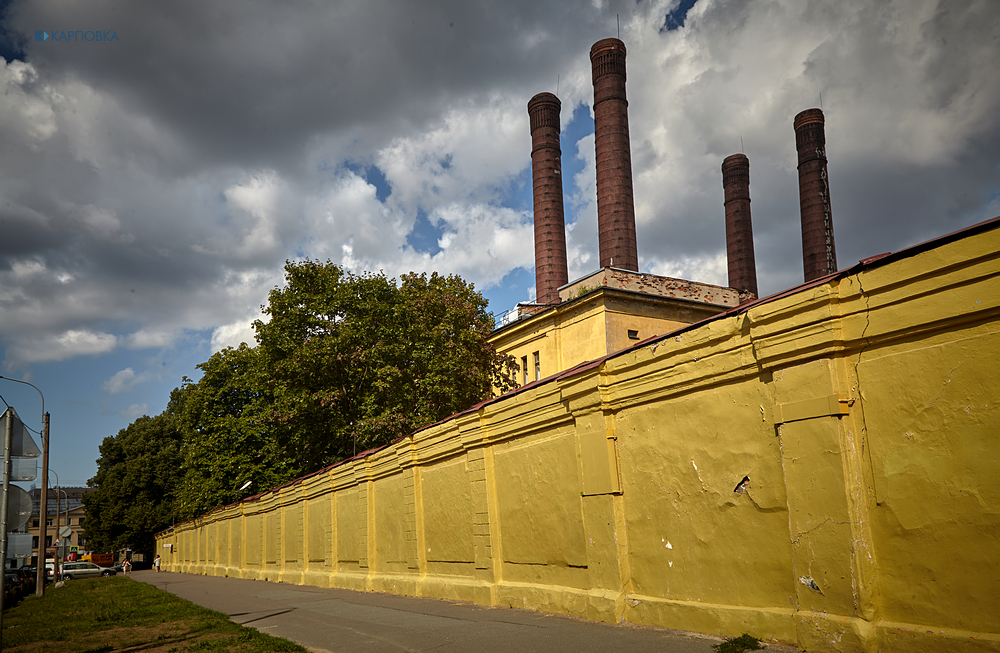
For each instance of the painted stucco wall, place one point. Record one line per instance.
(862, 409)
(563, 336)
(594, 325)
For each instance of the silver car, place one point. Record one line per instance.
(74, 570)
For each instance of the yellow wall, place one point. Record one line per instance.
(864, 411)
(563, 336)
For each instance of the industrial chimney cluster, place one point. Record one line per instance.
(615, 204)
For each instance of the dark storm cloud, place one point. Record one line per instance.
(252, 82)
(157, 183)
(912, 132)
(160, 179)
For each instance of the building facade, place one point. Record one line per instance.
(71, 512)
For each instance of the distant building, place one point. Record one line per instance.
(601, 314)
(71, 512)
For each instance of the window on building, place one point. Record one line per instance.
(48, 541)
(48, 522)
(538, 367)
(524, 370)
(34, 523)
(80, 521)
(633, 334)
(34, 541)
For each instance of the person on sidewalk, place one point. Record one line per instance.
(127, 566)
(156, 563)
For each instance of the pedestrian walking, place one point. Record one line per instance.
(156, 563)
(127, 566)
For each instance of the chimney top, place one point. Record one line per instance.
(808, 117)
(543, 98)
(734, 159)
(607, 44)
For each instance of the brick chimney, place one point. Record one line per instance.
(819, 255)
(546, 181)
(615, 205)
(739, 231)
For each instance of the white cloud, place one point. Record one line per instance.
(262, 198)
(232, 335)
(100, 220)
(145, 339)
(24, 269)
(70, 343)
(124, 381)
(449, 162)
(132, 412)
(710, 269)
(25, 111)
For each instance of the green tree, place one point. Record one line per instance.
(137, 476)
(356, 362)
(228, 440)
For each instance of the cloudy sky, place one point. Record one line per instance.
(152, 186)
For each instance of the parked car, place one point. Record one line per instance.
(13, 588)
(27, 575)
(75, 570)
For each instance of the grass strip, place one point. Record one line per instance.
(101, 615)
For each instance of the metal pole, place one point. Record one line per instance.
(55, 556)
(8, 443)
(63, 540)
(43, 510)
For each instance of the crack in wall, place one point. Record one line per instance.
(859, 545)
(791, 545)
(806, 532)
(866, 450)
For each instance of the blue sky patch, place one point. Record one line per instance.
(675, 19)
(424, 236)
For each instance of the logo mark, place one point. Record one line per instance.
(78, 35)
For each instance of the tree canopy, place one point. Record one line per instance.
(135, 483)
(356, 361)
(343, 363)
(228, 440)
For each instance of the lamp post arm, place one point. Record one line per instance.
(7, 378)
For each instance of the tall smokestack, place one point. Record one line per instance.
(739, 230)
(819, 256)
(615, 205)
(546, 181)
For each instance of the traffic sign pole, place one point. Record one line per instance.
(8, 441)
(43, 512)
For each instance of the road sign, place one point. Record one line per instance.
(22, 445)
(65, 531)
(23, 468)
(18, 508)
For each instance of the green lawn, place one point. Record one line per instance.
(115, 614)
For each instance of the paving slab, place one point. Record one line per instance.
(337, 620)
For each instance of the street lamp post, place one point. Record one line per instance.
(42, 530)
(55, 558)
(58, 507)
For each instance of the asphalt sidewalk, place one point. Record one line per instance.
(338, 620)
